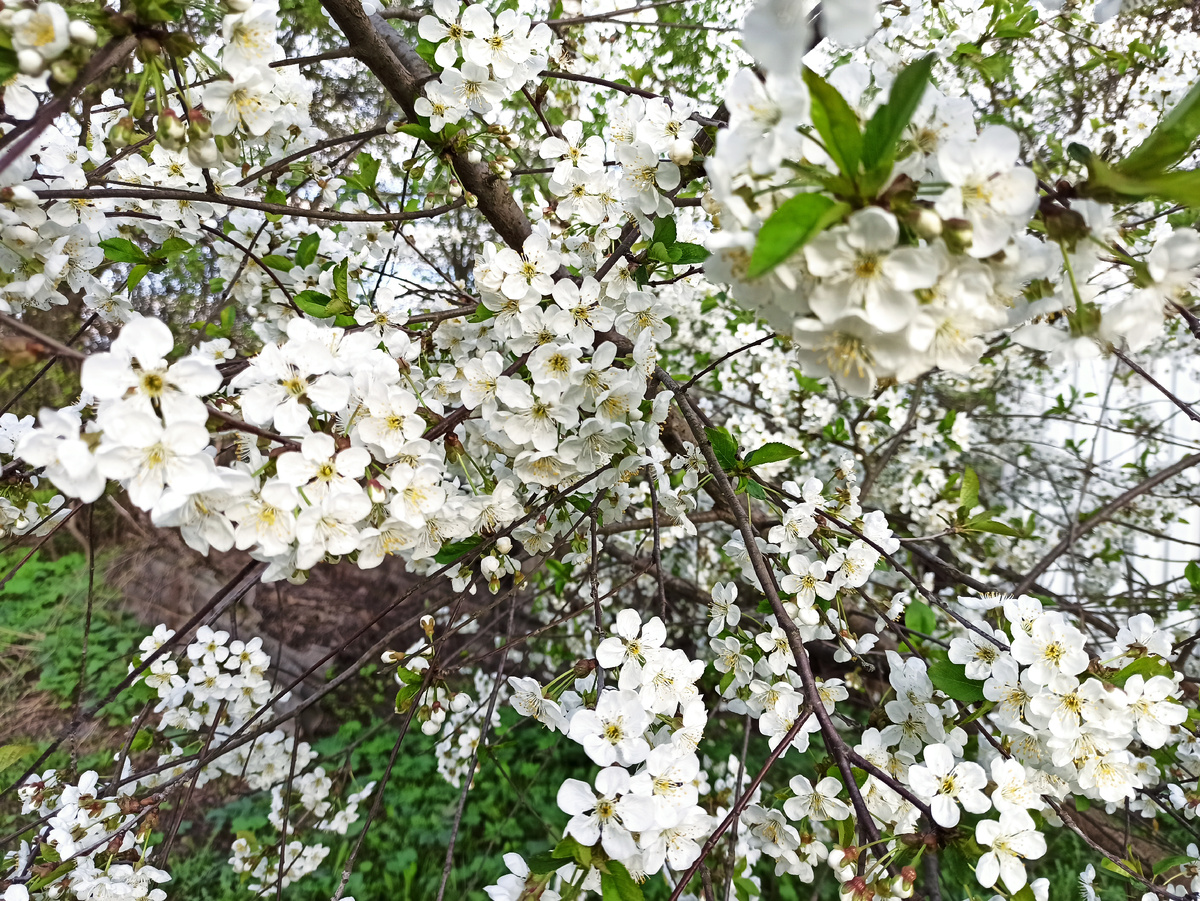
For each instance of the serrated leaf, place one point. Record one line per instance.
(1169, 863)
(1147, 667)
(836, 123)
(724, 447)
(278, 262)
(968, 490)
(617, 885)
(796, 222)
(306, 252)
(419, 131)
(951, 680)
(368, 171)
(983, 524)
(122, 250)
(1169, 141)
(920, 618)
(456, 550)
(541, 864)
(771, 452)
(313, 303)
(882, 135)
(341, 281)
(664, 231)
(1191, 572)
(10, 754)
(141, 741)
(136, 274)
(1108, 184)
(690, 254)
(405, 697)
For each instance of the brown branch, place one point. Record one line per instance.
(117, 191)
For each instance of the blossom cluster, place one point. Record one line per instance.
(98, 834)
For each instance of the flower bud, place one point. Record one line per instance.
(82, 33)
(427, 623)
(64, 71)
(204, 154)
(958, 234)
(19, 196)
(709, 203)
(30, 62)
(472, 200)
(474, 156)
(199, 126)
(171, 131)
(926, 223)
(376, 492)
(504, 544)
(460, 702)
(680, 151)
(391, 657)
(455, 189)
(429, 727)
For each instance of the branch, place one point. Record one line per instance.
(117, 191)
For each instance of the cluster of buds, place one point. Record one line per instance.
(41, 36)
(497, 565)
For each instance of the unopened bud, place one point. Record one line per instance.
(19, 196)
(504, 544)
(429, 727)
(30, 62)
(199, 126)
(584, 668)
(455, 189)
(204, 154)
(171, 131)
(376, 492)
(63, 71)
(958, 234)
(926, 223)
(472, 200)
(460, 702)
(82, 33)
(473, 156)
(391, 657)
(680, 151)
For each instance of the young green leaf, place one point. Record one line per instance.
(920, 618)
(1146, 667)
(968, 491)
(881, 138)
(122, 250)
(306, 253)
(723, 446)
(790, 227)
(1170, 141)
(836, 123)
(771, 452)
(456, 550)
(617, 885)
(951, 680)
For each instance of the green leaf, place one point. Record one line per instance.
(341, 281)
(723, 446)
(306, 253)
(277, 262)
(141, 741)
(455, 550)
(920, 618)
(172, 247)
(368, 171)
(951, 680)
(882, 135)
(1169, 863)
(419, 131)
(10, 754)
(1108, 184)
(1170, 140)
(136, 274)
(690, 254)
(658, 251)
(122, 250)
(313, 303)
(1146, 667)
(984, 524)
(796, 222)
(771, 452)
(836, 123)
(968, 490)
(664, 231)
(405, 697)
(570, 849)
(541, 864)
(617, 885)
(1191, 572)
